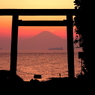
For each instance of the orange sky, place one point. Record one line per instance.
(6, 21)
(59, 31)
(37, 4)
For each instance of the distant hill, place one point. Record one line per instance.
(42, 41)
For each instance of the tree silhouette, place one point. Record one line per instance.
(83, 27)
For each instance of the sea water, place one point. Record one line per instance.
(47, 64)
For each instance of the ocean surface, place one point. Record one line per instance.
(48, 64)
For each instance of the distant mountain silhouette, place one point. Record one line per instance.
(43, 41)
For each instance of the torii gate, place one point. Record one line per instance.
(15, 23)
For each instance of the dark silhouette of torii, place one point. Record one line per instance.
(15, 23)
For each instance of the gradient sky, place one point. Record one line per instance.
(24, 32)
(37, 4)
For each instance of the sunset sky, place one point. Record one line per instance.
(27, 32)
(37, 4)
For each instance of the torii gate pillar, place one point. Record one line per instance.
(14, 42)
(70, 48)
